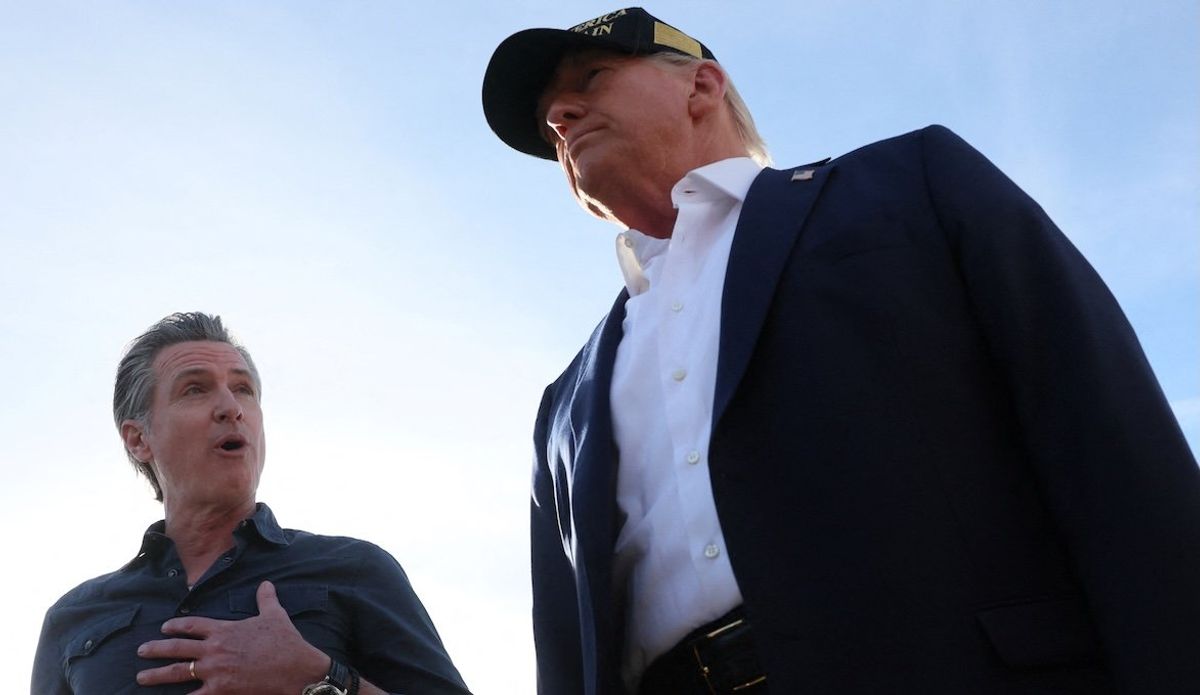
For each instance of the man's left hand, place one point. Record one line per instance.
(262, 655)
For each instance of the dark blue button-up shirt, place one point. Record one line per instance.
(347, 597)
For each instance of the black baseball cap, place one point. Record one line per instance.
(524, 62)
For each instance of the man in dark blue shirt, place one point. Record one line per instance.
(245, 605)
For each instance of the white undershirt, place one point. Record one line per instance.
(670, 553)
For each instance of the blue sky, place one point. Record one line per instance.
(320, 174)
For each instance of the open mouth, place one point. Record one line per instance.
(231, 444)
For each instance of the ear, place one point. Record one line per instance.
(708, 89)
(133, 433)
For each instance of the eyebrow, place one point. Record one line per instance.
(203, 371)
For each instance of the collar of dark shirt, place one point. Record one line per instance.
(262, 524)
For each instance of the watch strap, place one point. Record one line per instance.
(339, 675)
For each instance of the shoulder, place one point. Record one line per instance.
(931, 135)
(97, 605)
(895, 167)
(912, 144)
(88, 592)
(365, 557)
(309, 542)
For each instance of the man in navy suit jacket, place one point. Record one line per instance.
(864, 426)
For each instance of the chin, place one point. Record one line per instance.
(592, 174)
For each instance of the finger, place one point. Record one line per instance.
(195, 627)
(268, 600)
(177, 648)
(177, 672)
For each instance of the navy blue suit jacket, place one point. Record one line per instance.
(939, 457)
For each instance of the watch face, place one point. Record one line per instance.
(323, 689)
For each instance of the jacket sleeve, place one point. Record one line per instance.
(1112, 464)
(555, 607)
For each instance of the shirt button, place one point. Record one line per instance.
(693, 457)
(172, 572)
(679, 374)
(677, 307)
(185, 610)
(711, 551)
(227, 559)
(627, 241)
(87, 646)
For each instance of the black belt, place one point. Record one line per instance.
(716, 659)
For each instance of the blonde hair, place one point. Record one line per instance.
(756, 147)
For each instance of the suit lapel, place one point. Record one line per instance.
(773, 214)
(591, 422)
(594, 495)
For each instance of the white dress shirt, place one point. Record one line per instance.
(670, 553)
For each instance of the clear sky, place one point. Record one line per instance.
(320, 174)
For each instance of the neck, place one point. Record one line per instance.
(652, 218)
(201, 534)
(650, 210)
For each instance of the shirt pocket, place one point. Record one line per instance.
(95, 649)
(316, 617)
(1050, 632)
(296, 599)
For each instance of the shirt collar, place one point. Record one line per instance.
(635, 250)
(265, 524)
(729, 179)
(262, 523)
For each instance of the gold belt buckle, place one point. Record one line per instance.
(704, 670)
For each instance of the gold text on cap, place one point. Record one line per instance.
(599, 26)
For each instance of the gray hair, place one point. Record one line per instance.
(133, 393)
(756, 147)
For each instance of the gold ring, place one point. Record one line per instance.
(192, 669)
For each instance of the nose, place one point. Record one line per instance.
(564, 110)
(227, 407)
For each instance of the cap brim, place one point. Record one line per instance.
(519, 70)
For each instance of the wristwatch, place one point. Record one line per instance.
(339, 681)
